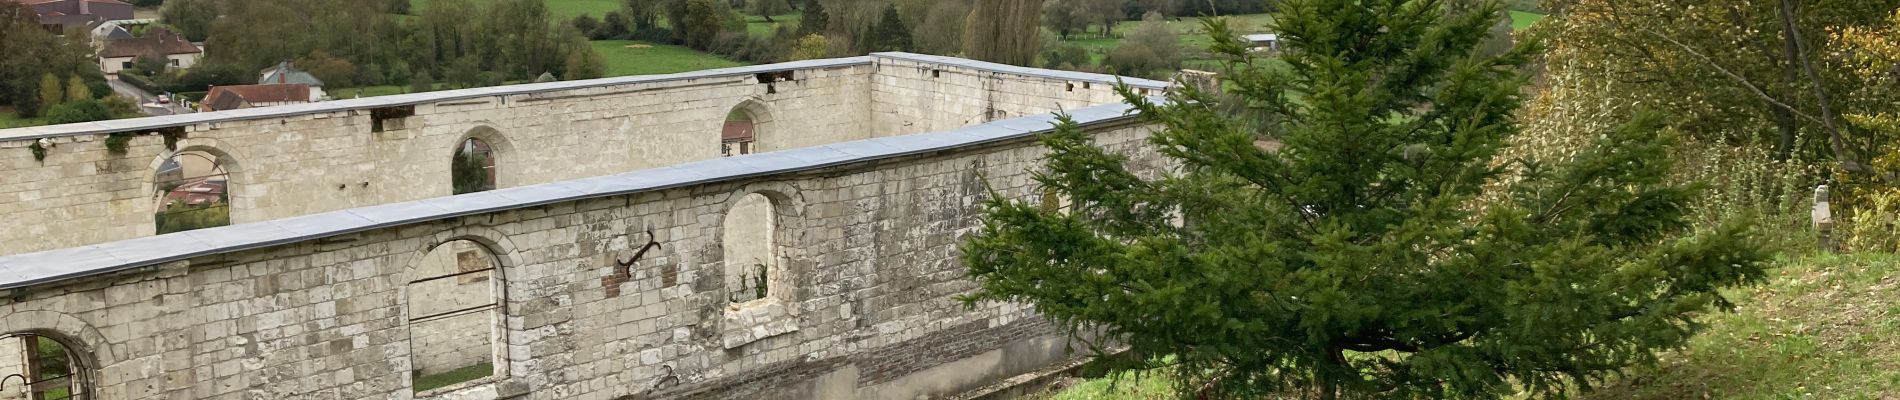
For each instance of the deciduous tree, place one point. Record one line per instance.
(767, 8)
(1004, 31)
(1383, 250)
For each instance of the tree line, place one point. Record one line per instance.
(41, 71)
(354, 43)
(1006, 31)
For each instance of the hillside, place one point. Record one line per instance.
(1825, 327)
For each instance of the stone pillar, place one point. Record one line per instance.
(1823, 219)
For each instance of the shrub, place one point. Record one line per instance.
(140, 81)
(77, 111)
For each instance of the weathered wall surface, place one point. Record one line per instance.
(330, 160)
(870, 267)
(299, 165)
(917, 95)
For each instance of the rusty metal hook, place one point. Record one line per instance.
(651, 244)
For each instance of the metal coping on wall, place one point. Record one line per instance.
(22, 270)
(247, 114)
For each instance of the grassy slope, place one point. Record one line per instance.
(1822, 327)
(657, 59)
(1524, 19)
(9, 119)
(1825, 327)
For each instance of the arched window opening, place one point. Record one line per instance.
(474, 168)
(191, 191)
(748, 239)
(34, 367)
(740, 135)
(454, 316)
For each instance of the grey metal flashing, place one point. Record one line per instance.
(1026, 71)
(22, 270)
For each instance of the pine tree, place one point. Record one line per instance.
(1383, 251)
(890, 34)
(814, 20)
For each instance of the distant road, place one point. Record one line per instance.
(148, 103)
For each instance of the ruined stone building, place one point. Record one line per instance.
(774, 231)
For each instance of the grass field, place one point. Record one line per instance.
(9, 119)
(1821, 327)
(562, 9)
(757, 26)
(1524, 19)
(1194, 40)
(655, 58)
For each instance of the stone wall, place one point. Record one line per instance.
(926, 94)
(329, 156)
(12, 361)
(322, 161)
(870, 267)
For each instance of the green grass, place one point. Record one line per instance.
(1194, 40)
(1821, 327)
(464, 374)
(757, 26)
(10, 119)
(1121, 385)
(561, 9)
(1523, 19)
(655, 58)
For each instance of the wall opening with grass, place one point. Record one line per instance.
(454, 316)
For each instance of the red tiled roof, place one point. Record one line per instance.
(35, 2)
(238, 96)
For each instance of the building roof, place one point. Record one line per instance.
(37, 2)
(1262, 37)
(73, 8)
(157, 43)
(241, 96)
(284, 73)
(118, 33)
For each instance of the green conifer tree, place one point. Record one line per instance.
(890, 34)
(814, 20)
(1382, 250)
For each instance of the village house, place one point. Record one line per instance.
(122, 51)
(286, 73)
(68, 14)
(251, 96)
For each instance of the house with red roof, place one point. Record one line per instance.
(68, 14)
(249, 96)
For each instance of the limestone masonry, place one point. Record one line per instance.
(621, 256)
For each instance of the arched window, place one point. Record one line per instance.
(35, 367)
(748, 239)
(454, 316)
(474, 167)
(740, 135)
(191, 190)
